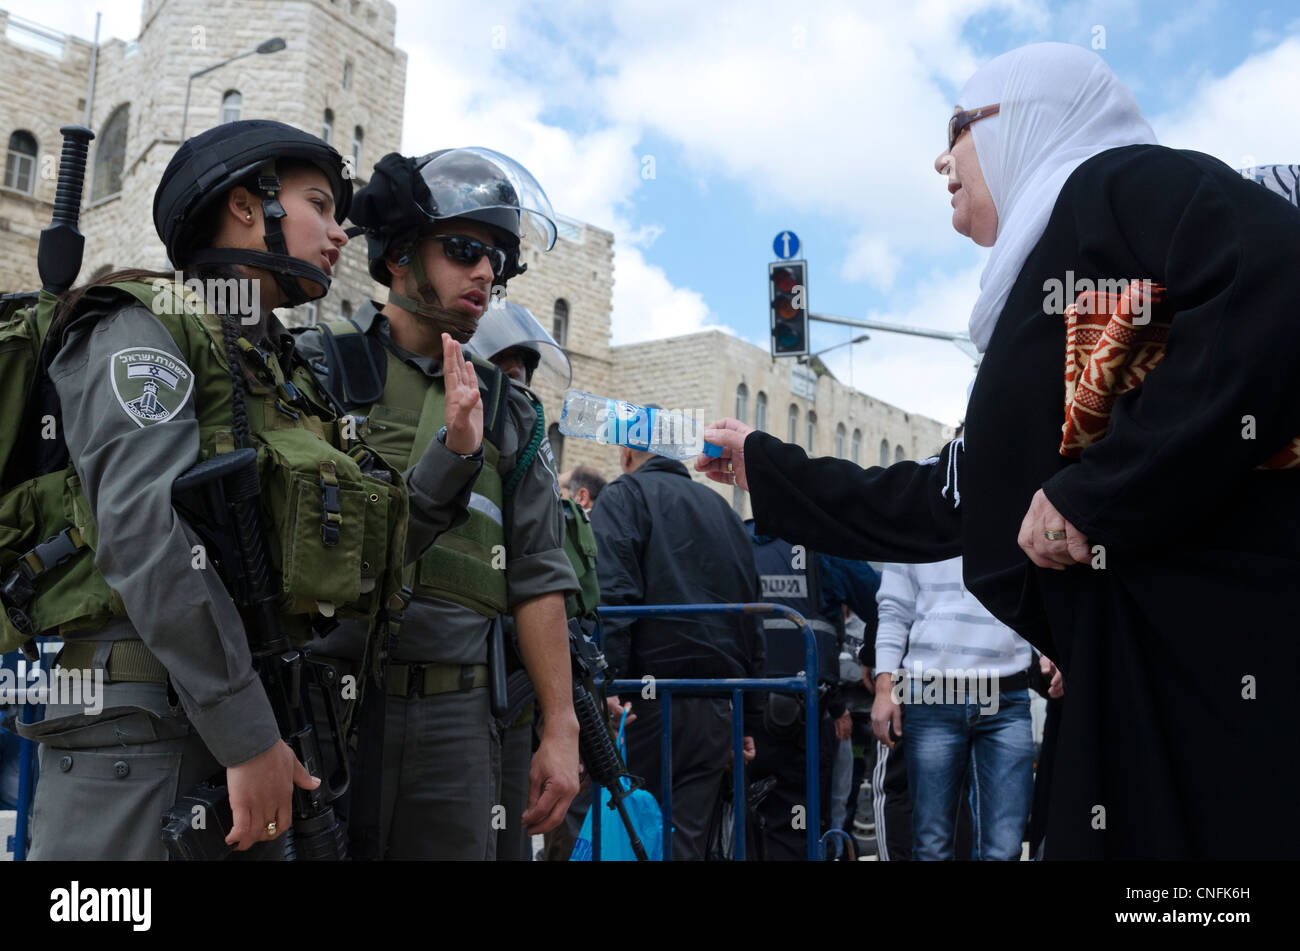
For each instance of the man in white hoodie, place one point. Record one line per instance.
(954, 681)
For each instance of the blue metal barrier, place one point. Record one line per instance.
(736, 687)
(30, 703)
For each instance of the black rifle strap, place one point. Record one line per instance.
(355, 367)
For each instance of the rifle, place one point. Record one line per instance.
(595, 743)
(218, 498)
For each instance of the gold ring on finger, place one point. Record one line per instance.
(1054, 534)
(270, 827)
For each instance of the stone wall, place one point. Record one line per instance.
(702, 373)
(148, 75)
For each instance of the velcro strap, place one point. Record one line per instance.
(430, 679)
(128, 661)
(331, 514)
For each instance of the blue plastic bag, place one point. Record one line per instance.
(642, 808)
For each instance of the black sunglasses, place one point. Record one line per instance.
(961, 119)
(468, 251)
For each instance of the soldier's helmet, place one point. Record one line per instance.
(407, 197)
(208, 165)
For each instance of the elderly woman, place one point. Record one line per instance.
(1157, 565)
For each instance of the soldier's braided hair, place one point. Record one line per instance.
(238, 411)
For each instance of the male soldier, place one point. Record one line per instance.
(509, 336)
(442, 230)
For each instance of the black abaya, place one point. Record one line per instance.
(1179, 655)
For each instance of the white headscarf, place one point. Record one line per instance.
(1061, 105)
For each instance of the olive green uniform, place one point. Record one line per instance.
(107, 778)
(440, 795)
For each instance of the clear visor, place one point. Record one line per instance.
(477, 179)
(505, 325)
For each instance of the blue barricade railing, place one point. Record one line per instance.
(29, 703)
(736, 687)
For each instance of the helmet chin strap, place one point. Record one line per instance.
(460, 326)
(284, 267)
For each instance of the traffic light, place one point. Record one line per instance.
(788, 296)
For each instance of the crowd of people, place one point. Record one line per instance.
(385, 655)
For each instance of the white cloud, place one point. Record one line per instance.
(648, 306)
(77, 17)
(1247, 116)
(918, 374)
(870, 258)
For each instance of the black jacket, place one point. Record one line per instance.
(664, 539)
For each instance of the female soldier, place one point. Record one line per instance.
(1155, 568)
(153, 376)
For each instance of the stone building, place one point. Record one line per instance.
(712, 375)
(342, 77)
(570, 291)
(138, 106)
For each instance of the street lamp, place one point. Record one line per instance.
(270, 46)
(858, 339)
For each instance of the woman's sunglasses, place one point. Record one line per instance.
(961, 120)
(468, 251)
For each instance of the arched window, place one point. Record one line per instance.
(742, 402)
(110, 154)
(347, 75)
(345, 309)
(309, 314)
(327, 127)
(358, 136)
(840, 433)
(855, 447)
(760, 411)
(232, 103)
(20, 162)
(560, 325)
(557, 443)
(810, 429)
(884, 452)
(898, 453)
(792, 432)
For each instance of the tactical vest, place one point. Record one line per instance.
(794, 582)
(336, 530)
(580, 546)
(466, 565)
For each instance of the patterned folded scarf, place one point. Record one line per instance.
(1112, 341)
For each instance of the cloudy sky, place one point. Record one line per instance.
(697, 132)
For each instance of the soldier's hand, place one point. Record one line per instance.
(261, 792)
(464, 405)
(553, 777)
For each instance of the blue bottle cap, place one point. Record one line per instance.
(712, 451)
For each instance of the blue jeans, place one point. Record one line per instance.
(943, 741)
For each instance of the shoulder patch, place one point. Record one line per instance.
(151, 385)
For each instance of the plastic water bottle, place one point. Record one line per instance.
(673, 434)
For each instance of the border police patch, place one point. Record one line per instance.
(150, 385)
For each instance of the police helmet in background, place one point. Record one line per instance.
(506, 325)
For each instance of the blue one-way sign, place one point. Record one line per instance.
(786, 245)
